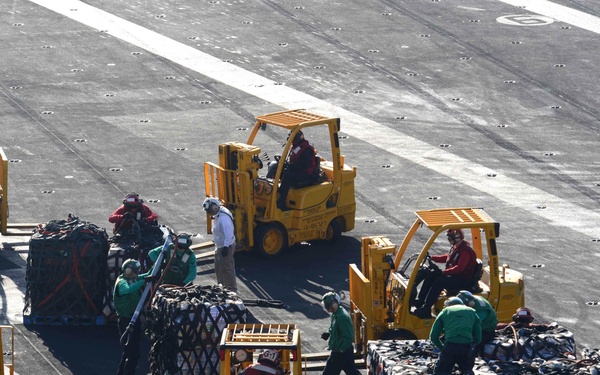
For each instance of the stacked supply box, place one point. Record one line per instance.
(185, 325)
(408, 357)
(66, 273)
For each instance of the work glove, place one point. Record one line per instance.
(325, 336)
(150, 278)
(127, 216)
(224, 251)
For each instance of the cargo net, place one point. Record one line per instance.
(66, 273)
(408, 357)
(185, 325)
(539, 341)
(540, 349)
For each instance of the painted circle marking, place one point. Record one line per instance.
(525, 20)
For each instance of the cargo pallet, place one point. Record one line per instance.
(64, 320)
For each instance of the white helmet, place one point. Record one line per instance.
(208, 202)
(329, 299)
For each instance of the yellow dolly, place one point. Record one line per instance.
(240, 342)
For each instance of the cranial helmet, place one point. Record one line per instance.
(184, 241)
(466, 296)
(455, 235)
(130, 266)
(269, 356)
(298, 137)
(132, 200)
(329, 299)
(523, 315)
(453, 301)
(208, 202)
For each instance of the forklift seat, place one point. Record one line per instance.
(314, 179)
(474, 287)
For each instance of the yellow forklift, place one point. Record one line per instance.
(320, 209)
(241, 343)
(380, 291)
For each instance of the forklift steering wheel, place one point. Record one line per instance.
(431, 265)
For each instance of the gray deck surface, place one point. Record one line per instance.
(442, 103)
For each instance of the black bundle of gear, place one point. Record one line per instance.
(541, 349)
(560, 366)
(544, 341)
(66, 273)
(403, 357)
(185, 325)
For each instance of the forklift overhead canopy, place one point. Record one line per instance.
(276, 336)
(240, 341)
(455, 217)
(290, 118)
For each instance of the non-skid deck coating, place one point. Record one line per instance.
(443, 103)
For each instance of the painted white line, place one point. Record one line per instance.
(513, 192)
(559, 13)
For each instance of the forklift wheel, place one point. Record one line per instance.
(334, 231)
(270, 240)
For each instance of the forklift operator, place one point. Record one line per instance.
(300, 167)
(460, 261)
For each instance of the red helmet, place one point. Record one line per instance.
(455, 235)
(299, 137)
(523, 315)
(132, 200)
(270, 356)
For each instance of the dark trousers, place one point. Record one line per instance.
(341, 361)
(288, 180)
(422, 275)
(432, 287)
(486, 336)
(131, 350)
(461, 354)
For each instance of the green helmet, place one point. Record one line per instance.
(131, 266)
(184, 241)
(453, 301)
(466, 296)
